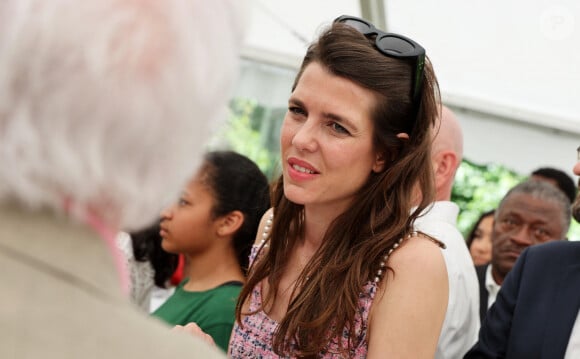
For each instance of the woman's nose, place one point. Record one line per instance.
(305, 138)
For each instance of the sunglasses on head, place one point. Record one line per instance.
(396, 46)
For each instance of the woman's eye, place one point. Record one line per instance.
(182, 202)
(338, 128)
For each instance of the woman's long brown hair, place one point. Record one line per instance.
(326, 304)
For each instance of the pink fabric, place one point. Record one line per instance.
(254, 340)
(109, 236)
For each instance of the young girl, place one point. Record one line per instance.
(338, 270)
(213, 225)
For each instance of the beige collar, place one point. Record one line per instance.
(55, 244)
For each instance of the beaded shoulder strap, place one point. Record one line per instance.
(266, 231)
(383, 263)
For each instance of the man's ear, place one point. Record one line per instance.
(230, 223)
(445, 164)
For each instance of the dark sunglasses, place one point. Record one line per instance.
(397, 46)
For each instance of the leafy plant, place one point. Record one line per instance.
(479, 188)
(244, 133)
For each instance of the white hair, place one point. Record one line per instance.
(107, 104)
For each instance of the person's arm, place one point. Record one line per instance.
(220, 333)
(194, 330)
(409, 309)
(495, 329)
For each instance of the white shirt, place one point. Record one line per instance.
(461, 324)
(573, 348)
(491, 286)
(141, 273)
(143, 291)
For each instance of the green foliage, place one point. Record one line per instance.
(479, 188)
(574, 232)
(243, 134)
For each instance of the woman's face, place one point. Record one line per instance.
(326, 140)
(481, 246)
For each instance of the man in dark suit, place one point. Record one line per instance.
(536, 311)
(483, 291)
(532, 212)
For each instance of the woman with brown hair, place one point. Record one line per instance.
(338, 270)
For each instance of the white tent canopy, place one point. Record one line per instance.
(510, 70)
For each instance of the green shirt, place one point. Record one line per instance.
(213, 310)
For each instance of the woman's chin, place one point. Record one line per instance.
(294, 194)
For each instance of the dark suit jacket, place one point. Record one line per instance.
(483, 293)
(536, 307)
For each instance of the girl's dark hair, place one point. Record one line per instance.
(380, 214)
(147, 247)
(237, 184)
(471, 235)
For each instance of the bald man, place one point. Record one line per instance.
(461, 323)
(446, 152)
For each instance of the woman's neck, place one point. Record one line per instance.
(317, 220)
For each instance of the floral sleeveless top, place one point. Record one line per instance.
(255, 339)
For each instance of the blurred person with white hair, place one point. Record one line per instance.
(105, 108)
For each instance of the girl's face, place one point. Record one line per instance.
(481, 246)
(187, 227)
(326, 140)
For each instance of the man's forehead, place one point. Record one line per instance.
(527, 204)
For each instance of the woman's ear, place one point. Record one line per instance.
(380, 160)
(379, 164)
(230, 223)
(403, 136)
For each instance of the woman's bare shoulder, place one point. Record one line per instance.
(419, 249)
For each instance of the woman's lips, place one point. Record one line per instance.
(300, 170)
